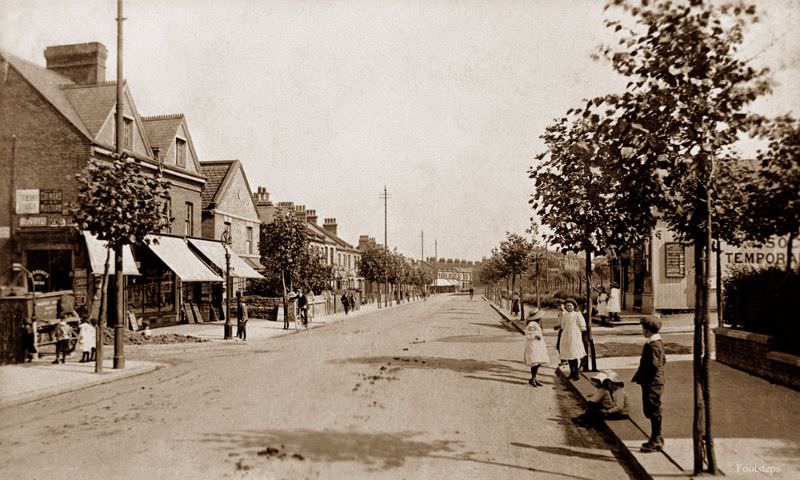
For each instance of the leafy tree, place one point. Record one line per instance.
(373, 264)
(776, 196)
(515, 251)
(284, 249)
(120, 204)
(684, 107)
(314, 273)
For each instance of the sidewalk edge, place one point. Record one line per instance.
(55, 391)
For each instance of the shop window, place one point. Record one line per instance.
(53, 269)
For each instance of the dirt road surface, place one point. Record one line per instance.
(428, 390)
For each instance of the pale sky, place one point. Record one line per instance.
(324, 102)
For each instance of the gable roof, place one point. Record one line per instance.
(49, 84)
(94, 103)
(215, 173)
(161, 130)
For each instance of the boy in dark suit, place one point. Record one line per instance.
(650, 376)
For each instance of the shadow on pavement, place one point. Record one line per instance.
(502, 326)
(458, 365)
(478, 339)
(381, 451)
(566, 452)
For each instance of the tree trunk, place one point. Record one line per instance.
(789, 251)
(719, 283)
(119, 326)
(589, 339)
(285, 300)
(100, 330)
(698, 424)
(706, 384)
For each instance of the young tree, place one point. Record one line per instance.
(120, 204)
(515, 251)
(776, 194)
(583, 200)
(284, 248)
(314, 273)
(684, 107)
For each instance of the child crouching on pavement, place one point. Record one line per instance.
(535, 349)
(608, 402)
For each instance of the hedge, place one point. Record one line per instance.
(765, 301)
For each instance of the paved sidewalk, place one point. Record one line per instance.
(755, 423)
(26, 382)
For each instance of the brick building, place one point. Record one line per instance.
(55, 120)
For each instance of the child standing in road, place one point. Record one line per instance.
(86, 340)
(63, 333)
(535, 349)
(650, 376)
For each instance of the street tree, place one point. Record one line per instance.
(775, 198)
(515, 251)
(581, 197)
(685, 106)
(121, 204)
(372, 265)
(314, 273)
(284, 248)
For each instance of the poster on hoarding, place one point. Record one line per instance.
(675, 259)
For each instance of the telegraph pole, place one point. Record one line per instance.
(422, 245)
(385, 197)
(119, 277)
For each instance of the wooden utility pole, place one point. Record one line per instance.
(385, 197)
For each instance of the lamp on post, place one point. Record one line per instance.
(226, 243)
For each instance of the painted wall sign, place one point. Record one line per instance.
(50, 201)
(675, 260)
(27, 201)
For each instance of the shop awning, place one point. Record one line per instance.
(175, 253)
(97, 256)
(215, 253)
(253, 263)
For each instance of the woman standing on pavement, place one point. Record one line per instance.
(571, 346)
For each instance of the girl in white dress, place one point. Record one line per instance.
(535, 348)
(572, 327)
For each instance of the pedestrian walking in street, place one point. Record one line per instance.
(602, 305)
(302, 306)
(614, 303)
(561, 311)
(86, 340)
(608, 402)
(63, 333)
(471, 293)
(241, 317)
(29, 338)
(515, 304)
(535, 354)
(650, 375)
(351, 299)
(345, 303)
(573, 324)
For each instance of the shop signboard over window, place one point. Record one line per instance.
(50, 201)
(675, 260)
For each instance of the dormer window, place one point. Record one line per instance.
(180, 152)
(127, 133)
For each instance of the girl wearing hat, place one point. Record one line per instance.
(608, 401)
(571, 346)
(535, 348)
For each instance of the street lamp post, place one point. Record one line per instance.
(226, 242)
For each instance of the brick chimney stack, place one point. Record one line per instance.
(330, 225)
(83, 63)
(311, 216)
(300, 213)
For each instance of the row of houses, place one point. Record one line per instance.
(56, 119)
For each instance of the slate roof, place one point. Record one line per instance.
(215, 173)
(49, 84)
(161, 130)
(94, 103)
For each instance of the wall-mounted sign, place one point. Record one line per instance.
(50, 201)
(5, 232)
(27, 201)
(675, 260)
(37, 221)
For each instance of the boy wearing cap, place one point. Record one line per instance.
(650, 376)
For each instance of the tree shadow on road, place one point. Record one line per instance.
(380, 451)
(477, 339)
(502, 326)
(457, 365)
(569, 452)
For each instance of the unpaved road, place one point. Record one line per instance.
(429, 390)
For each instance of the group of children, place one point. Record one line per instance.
(609, 401)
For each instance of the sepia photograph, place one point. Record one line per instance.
(399, 239)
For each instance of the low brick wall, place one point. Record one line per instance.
(752, 353)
